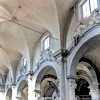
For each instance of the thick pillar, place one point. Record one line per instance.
(62, 78)
(2, 94)
(72, 87)
(62, 84)
(31, 90)
(94, 92)
(14, 93)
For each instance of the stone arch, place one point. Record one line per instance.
(89, 42)
(23, 83)
(94, 68)
(91, 74)
(44, 65)
(85, 78)
(9, 94)
(44, 70)
(43, 83)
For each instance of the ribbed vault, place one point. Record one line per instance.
(22, 23)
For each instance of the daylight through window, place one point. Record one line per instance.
(88, 7)
(46, 43)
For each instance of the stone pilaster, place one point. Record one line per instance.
(31, 91)
(64, 73)
(62, 77)
(72, 86)
(14, 93)
(62, 83)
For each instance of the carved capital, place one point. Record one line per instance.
(72, 77)
(72, 82)
(64, 53)
(94, 88)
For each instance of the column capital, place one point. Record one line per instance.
(72, 82)
(18, 97)
(13, 85)
(71, 77)
(94, 87)
(37, 91)
(64, 52)
(72, 86)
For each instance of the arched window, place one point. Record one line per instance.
(45, 43)
(24, 61)
(86, 7)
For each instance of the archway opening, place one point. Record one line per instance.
(47, 84)
(9, 94)
(82, 90)
(49, 87)
(22, 91)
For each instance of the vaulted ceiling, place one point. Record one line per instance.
(23, 22)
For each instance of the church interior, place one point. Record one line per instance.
(50, 49)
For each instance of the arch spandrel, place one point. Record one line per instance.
(88, 43)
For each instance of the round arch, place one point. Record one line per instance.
(9, 94)
(85, 66)
(85, 78)
(89, 42)
(45, 67)
(23, 83)
(52, 82)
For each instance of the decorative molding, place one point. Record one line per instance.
(22, 71)
(72, 83)
(19, 97)
(8, 81)
(64, 53)
(94, 87)
(45, 56)
(96, 17)
(71, 77)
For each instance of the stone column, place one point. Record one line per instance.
(31, 91)
(14, 93)
(63, 82)
(62, 87)
(72, 87)
(94, 92)
(2, 94)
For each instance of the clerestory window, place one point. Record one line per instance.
(24, 62)
(88, 6)
(46, 43)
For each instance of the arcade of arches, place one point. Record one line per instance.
(50, 49)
